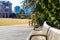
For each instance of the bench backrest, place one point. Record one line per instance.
(53, 34)
(45, 28)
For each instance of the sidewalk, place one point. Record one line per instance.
(15, 32)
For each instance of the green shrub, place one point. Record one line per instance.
(40, 18)
(53, 14)
(49, 10)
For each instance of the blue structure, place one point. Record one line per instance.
(17, 9)
(5, 8)
(28, 9)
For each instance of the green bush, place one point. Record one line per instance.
(53, 13)
(40, 18)
(48, 10)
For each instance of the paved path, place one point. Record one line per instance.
(14, 32)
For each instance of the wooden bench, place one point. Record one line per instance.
(47, 33)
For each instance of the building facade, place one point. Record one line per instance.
(5, 9)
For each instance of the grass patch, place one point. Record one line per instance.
(10, 21)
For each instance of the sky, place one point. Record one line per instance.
(14, 3)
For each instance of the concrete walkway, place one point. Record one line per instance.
(15, 32)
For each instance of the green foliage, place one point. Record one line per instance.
(12, 15)
(33, 17)
(21, 14)
(21, 11)
(40, 18)
(49, 9)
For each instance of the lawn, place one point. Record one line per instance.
(10, 21)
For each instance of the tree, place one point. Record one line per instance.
(29, 4)
(12, 15)
(51, 11)
(21, 11)
(47, 10)
(21, 14)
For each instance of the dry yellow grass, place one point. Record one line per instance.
(10, 21)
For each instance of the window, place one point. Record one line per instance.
(6, 10)
(0, 9)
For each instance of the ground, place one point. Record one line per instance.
(15, 32)
(14, 29)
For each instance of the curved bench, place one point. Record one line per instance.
(47, 33)
(42, 32)
(53, 34)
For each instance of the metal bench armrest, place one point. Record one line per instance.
(38, 35)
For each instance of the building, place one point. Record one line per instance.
(5, 9)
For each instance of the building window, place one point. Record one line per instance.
(0, 9)
(6, 10)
